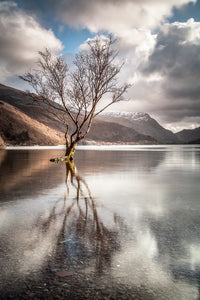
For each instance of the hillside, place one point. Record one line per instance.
(143, 124)
(19, 129)
(25, 104)
(189, 135)
(116, 133)
(2, 143)
(197, 142)
(24, 122)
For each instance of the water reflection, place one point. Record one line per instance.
(26, 173)
(63, 236)
(126, 225)
(83, 234)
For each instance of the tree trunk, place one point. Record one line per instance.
(70, 150)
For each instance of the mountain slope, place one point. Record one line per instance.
(24, 107)
(116, 133)
(189, 135)
(25, 104)
(19, 129)
(142, 123)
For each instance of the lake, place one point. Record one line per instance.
(122, 222)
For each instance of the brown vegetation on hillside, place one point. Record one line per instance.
(19, 129)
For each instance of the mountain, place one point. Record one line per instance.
(189, 135)
(2, 143)
(26, 122)
(25, 104)
(195, 142)
(116, 133)
(143, 124)
(19, 129)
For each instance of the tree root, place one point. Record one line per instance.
(62, 159)
(66, 158)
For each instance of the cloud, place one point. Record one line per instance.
(164, 67)
(21, 37)
(175, 58)
(113, 15)
(165, 70)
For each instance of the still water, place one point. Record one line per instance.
(119, 223)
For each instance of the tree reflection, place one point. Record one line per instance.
(66, 241)
(82, 241)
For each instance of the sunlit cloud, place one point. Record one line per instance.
(114, 15)
(21, 37)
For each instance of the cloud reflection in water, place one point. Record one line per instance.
(126, 219)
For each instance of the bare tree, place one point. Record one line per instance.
(78, 96)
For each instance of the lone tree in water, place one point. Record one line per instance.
(76, 97)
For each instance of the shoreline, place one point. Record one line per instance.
(107, 147)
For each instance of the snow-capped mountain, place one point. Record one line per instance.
(131, 116)
(142, 123)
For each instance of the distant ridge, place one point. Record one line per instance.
(142, 123)
(189, 135)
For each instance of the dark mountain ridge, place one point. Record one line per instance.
(189, 135)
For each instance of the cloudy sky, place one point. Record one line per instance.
(158, 40)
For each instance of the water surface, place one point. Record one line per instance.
(123, 222)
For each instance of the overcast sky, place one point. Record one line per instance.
(158, 40)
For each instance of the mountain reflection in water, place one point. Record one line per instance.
(125, 224)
